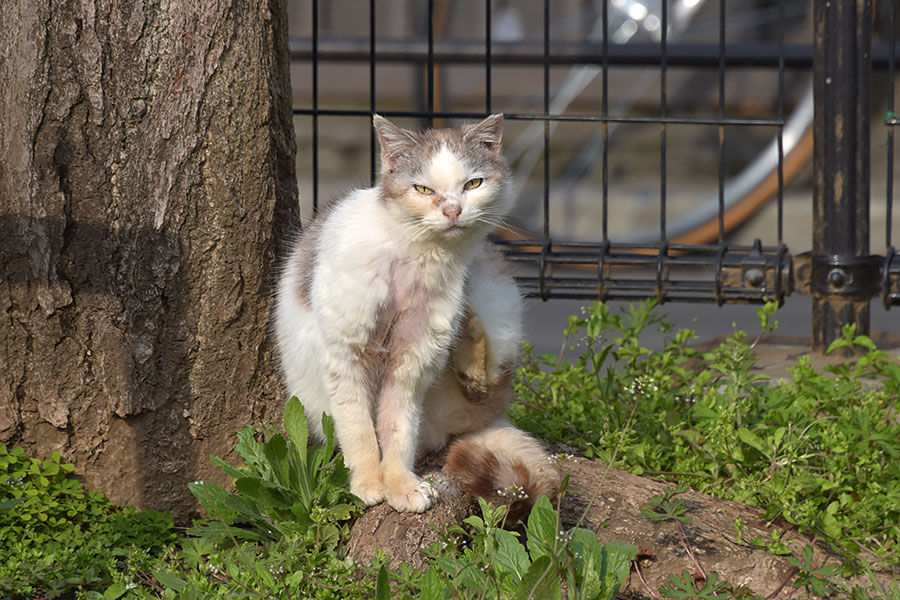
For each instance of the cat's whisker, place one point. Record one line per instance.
(492, 213)
(492, 221)
(515, 231)
(416, 226)
(421, 232)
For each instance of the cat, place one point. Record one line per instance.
(395, 316)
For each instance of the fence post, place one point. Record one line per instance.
(844, 276)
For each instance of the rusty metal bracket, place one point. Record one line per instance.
(856, 277)
(853, 277)
(768, 275)
(890, 279)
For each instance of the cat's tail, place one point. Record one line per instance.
(505, 466)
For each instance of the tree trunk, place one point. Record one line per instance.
(147, 175)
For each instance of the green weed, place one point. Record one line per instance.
(56, 537)
(281, 533)
(819, 450)
(286, 486)
(484, 560)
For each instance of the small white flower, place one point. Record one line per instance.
(561, 458)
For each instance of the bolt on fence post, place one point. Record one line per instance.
(841, 269)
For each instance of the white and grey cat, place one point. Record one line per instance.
(394, 316)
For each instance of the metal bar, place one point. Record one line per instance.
(604, 125)
(890, 130)
(617, 257)
(546, 58)
(547, 243)
(372, 90)
(430, 64)
(623, 297)
(841, 166)
(636, 54)
(737, 121)
(631, 285)
(780, 198)
(890, 279)
(315, 103)
(487, 56)
(721, 213)
(780, 135)
(663, 67)
(748, 273)
(626, 246)
(740, 55)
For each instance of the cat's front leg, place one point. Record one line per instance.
(347, 322)
(355, 434)
(347, 378)
(422, 337)
(398, 418)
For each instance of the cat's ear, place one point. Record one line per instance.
(489, 132)
(394, 141)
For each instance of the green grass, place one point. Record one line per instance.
(819, 450)
(57, 537)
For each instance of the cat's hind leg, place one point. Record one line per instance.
(504, 465)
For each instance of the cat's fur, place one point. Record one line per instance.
(395, 317)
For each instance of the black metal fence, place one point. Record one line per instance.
(673, 263)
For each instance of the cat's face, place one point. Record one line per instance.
(447, 183)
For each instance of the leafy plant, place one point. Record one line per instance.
(665, 507)
(820, 450)
(55, 536)
(281, 532)
(682, 587)
(285, 486)
(293, 566)
(487, 561)
(813, 580)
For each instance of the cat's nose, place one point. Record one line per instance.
(451, 211)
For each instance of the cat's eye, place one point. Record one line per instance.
(473, 183)
(423, 189)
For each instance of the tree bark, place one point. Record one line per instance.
(147, 176)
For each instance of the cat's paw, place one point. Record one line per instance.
(368, 489)
(408, 493)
